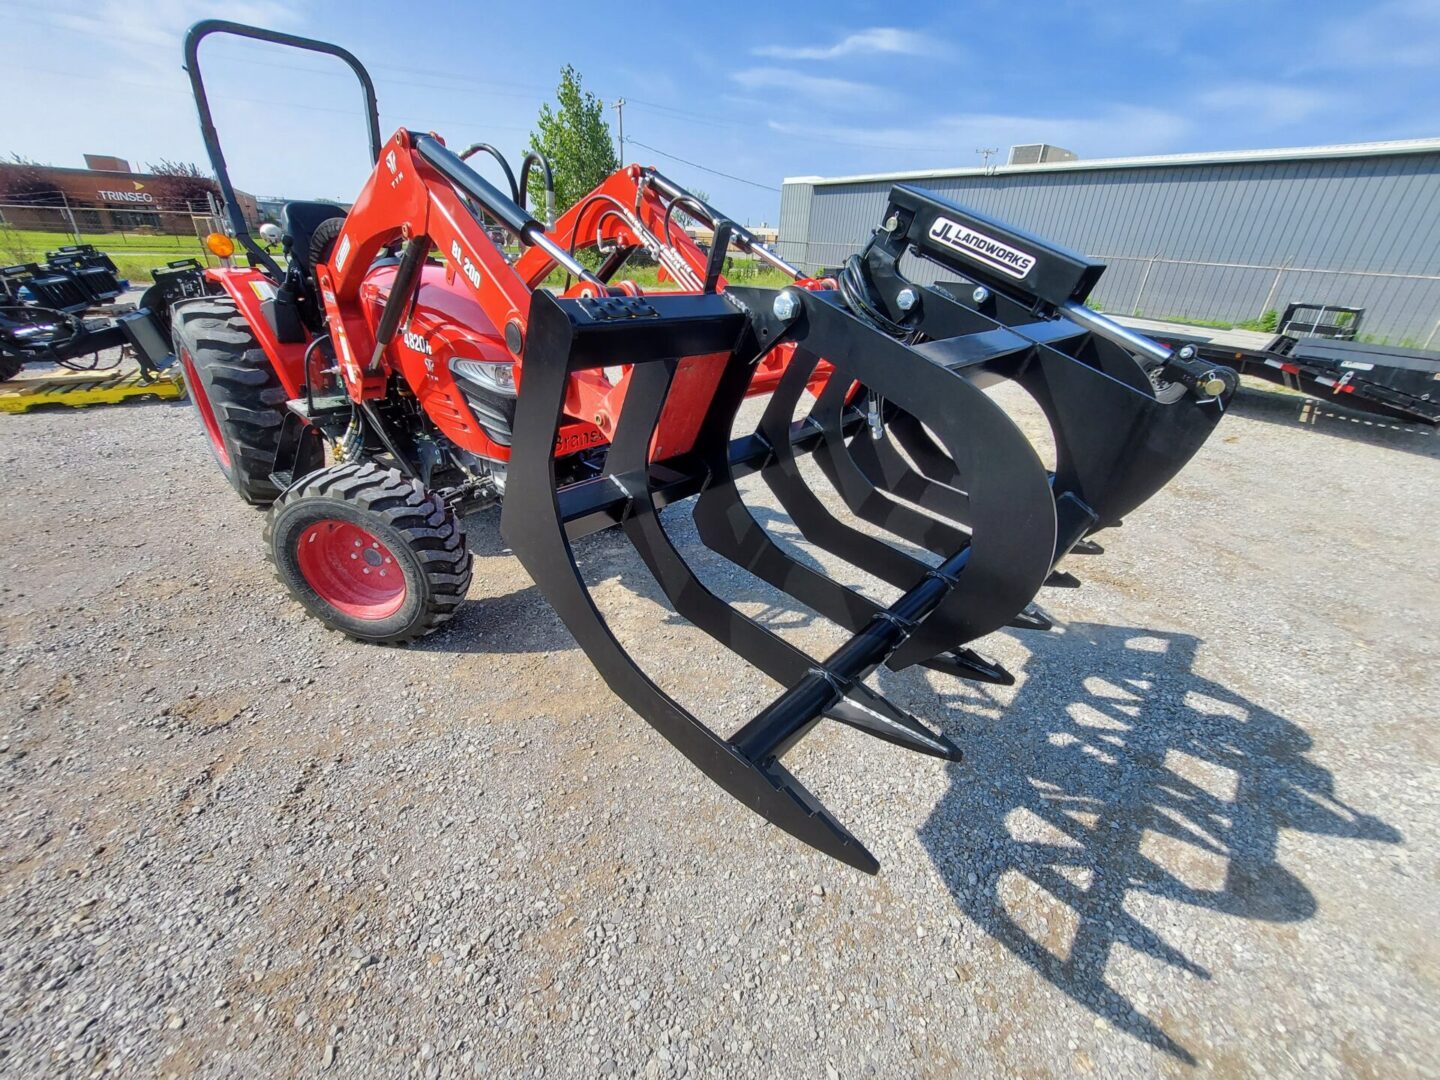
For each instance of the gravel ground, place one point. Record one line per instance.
(1200, 834)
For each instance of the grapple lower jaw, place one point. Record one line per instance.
(676, 343)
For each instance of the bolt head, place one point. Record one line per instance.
(1187, 352)
(787, 306)
(906, 299)
(892, 223)
(980, 295)
(1213, 385)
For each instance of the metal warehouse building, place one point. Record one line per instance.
(1223, 236)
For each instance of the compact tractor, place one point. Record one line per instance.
(403, 366)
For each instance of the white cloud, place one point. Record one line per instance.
(150, 33)
(1270, 104)
(1397, 34)
(1116, 131)
(815, 87)
(876, 39)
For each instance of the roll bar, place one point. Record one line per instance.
(204, 29)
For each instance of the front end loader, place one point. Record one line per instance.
(368, 392)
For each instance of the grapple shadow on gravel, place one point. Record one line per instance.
(1125, 773)
(1320, 418)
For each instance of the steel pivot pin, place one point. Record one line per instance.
(787, 306)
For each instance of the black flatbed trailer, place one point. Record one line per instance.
(1398, 384)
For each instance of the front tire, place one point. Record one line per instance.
(236, 393)
(369, 553)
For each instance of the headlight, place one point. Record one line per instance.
(497, 377)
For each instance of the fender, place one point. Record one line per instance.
(250, 289)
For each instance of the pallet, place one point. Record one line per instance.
(81, 389)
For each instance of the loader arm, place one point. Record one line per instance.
(417, 197)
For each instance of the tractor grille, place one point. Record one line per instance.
(494, 412)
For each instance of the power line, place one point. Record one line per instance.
(702, 168)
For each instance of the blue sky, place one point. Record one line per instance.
(757, 91)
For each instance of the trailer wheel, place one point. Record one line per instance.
(235, 391)
(369, 552)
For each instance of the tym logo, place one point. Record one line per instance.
(467, 267)
(982, 248)
(416, 343)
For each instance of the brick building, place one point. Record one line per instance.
(107, 198)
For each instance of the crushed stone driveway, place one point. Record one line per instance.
(1198, 836)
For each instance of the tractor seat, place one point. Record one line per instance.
(300, 220)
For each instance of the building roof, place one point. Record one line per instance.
(1222, 157)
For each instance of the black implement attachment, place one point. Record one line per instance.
(916, 451)
(1126, 413)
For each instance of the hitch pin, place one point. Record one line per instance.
(873, 416)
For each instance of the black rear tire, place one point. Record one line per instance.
(236, 393)
(418, 569)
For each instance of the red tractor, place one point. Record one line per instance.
(400, 368)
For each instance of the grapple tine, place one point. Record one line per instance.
(727, 527)
(969, 664)
(874, 714)
(1030, 619)
(815, 522)
(860, 707)
(860, 494)
(880, 463)
(1013, 536)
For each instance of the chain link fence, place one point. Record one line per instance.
(1400, 309)
(135, 239)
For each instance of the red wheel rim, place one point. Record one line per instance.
(350, 569)
(202, 406)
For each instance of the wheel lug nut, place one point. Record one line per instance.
(353, 555)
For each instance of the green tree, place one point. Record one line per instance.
(576, 139)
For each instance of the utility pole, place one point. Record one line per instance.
(619, 108)
(986, 153)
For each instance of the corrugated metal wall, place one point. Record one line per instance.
(1204, 241)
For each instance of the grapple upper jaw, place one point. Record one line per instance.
(1126, 414)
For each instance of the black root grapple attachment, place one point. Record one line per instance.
(903, 431)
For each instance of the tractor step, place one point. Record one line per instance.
(79, 390)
